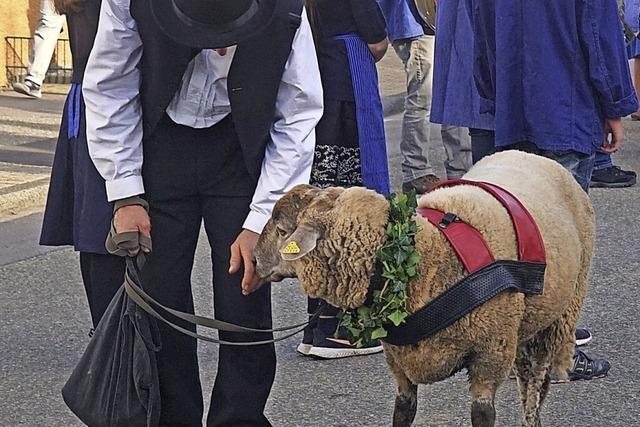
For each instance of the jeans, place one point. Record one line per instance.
(417, 57)
(603, 161)
(45, 39)
(579, 164)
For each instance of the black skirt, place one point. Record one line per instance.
(77, 211)
(337, 155)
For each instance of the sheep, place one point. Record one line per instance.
(339, 232)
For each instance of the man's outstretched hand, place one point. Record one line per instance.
(242, 255)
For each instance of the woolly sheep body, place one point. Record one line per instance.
(537, 332)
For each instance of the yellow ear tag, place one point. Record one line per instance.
(291, 248)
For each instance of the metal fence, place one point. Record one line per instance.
(17, 60)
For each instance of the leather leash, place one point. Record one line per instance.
(132, 286)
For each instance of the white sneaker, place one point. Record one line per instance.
(28, 88)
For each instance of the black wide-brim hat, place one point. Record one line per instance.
(212, 24)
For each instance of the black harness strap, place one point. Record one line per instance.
(467, 295)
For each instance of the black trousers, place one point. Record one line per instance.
(102, 276)
(191, 175)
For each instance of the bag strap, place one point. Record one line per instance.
(147, 303)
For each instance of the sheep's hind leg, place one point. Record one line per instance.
(406, 401)
(533, 367)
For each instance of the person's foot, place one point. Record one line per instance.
(328, 347)
(420, 185)
(28, 88)
(583, 336)
(584, 368)
(612, 177)
(307, 341)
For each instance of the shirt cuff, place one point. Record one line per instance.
(256, 221)
(621, 108)
(124, 187)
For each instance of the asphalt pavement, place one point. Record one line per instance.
(44, 321)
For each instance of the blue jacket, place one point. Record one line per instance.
(455, 97)
(632, 14)
(551, 71)
(402, 19)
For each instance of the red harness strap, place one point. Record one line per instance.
(465, 240)
(469, 244)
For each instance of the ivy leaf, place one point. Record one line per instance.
(378, 333)
(397, 317)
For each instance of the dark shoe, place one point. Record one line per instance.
(584, 368)
(28, 88)
(612, 177)
(307, 338)
(583, 336)
(420, 185)
(328, 347)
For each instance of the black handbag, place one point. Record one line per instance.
(116, 381)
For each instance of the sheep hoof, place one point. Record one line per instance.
(405, 410)
(483, 414)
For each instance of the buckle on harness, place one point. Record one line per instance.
(447, 219)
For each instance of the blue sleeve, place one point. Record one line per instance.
(602, 43)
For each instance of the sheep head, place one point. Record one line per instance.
(327, 238)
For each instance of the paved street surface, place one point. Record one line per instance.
(44, 318)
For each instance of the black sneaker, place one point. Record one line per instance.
(328, 347)
(583, 336)
(307, 338)
(584, 368)
(28, 88)
(612, 177)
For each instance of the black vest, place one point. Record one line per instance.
(253, 81)
(82, 27)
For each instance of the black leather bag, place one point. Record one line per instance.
(116, 381)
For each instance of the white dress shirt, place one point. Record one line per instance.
(203, 100)
(111, 90)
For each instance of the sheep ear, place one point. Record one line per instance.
(300, 243)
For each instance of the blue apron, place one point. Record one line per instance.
(369, 114)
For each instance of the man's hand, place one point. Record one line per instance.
(612, 127)
(242, 255)
(133, 218)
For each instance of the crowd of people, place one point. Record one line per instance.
(232, 103)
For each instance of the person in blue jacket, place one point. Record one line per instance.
(456, 100)
(555, 76)
(605, 173)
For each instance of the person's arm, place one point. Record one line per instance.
(289, 154)
(602, 42)
(111, 89)
(371, 25)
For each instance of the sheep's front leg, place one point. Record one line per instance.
(406, 395)
(483, 412)
(406, 404)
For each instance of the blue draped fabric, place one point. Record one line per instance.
(73, 110)
(369, 114)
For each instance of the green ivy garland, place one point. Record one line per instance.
(399, 260)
